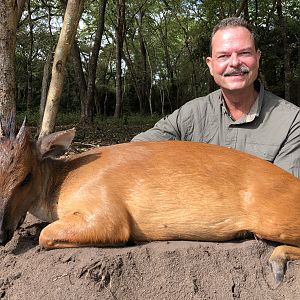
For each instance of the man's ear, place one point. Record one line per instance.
(208, 62)
(258, 55)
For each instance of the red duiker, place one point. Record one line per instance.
(143, 191)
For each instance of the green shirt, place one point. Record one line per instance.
(271, 130)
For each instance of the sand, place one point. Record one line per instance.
(155, 270)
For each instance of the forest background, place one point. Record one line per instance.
(142, 57)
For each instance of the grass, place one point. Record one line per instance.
(132, 119)
(104, 131)
(73, 119)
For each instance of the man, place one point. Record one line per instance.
(242, 114)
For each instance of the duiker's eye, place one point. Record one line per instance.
(26, 179)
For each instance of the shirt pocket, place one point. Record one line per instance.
(265, 151)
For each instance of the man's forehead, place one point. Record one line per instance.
(227, 38)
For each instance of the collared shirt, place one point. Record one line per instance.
(271, 129)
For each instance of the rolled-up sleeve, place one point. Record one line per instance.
(288, 157)
(165, 129)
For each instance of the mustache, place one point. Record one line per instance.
(235, 71)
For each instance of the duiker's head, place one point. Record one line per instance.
(16, 163)
(21, 174)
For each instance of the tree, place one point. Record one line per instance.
(67, 35)
(162, 62)
(30, 59)
(137, 58)
(8, 27)
(286, 50)
(120, 33)
(80, 78)
(87, 115)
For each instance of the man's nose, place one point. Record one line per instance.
(234, 60)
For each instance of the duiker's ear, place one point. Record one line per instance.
(55, 144)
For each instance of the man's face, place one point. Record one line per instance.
(234, 61)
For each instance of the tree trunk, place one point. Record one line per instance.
(173, 88)
(120, 33)
(87, 115)
(8, 27)
(21, 5)
(146, 82)
(162, 99)
(143, 67)
(67, 35)
(286, 51)
(134, 78)
(163, 34)
(79, 76)
(44, 90)
(29, 60)
(46, 72)
(243, 8)
(298, 74)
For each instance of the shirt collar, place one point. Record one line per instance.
(255, 108)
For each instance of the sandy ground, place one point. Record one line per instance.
(156, 270)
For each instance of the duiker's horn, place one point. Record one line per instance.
(1, 128)
(11, 126)
(22, 129)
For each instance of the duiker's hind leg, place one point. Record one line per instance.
(279, 258)
(77, 230)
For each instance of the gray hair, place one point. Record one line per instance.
(233, 22)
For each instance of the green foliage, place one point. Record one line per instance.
(176, 35)
(72, 119)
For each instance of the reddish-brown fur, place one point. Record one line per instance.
(153, 191)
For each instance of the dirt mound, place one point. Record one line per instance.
(156, 270)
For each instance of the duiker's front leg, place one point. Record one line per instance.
(279, 258)
(78, 230)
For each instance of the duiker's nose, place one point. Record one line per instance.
(4, 237)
